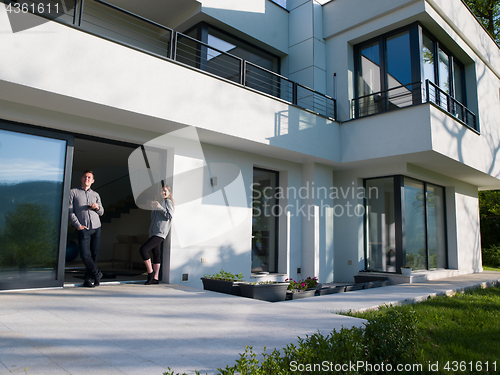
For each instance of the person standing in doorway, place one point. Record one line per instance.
(161, 218)
(85, 207)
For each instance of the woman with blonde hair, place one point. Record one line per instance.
(161, 219)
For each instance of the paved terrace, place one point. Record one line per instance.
(137, 329)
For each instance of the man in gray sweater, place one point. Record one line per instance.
(85, 207)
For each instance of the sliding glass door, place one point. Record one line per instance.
(405, 225)
(32, 216)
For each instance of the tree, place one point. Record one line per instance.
(488, 14)
(489, 215)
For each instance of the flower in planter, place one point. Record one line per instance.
(297, 286)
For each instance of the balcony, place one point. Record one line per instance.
(410, 95)
(110, 22)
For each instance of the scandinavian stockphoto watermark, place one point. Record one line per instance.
(310, 201)
(20, 13)
(210, 198)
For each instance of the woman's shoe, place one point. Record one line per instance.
(154, 281)
(150, 279)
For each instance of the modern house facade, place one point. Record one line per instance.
(302, 138)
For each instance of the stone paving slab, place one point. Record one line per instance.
(137, 329)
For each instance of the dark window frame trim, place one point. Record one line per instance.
(18, 127)
(202, 34)
(277, 235)
(399, 213)
(416, 31)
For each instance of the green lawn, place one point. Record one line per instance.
(442, 335)
(486, 268)
(464, 328)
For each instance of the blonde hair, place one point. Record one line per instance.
(169, 189)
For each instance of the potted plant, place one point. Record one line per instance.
(406, 271)
(271, 291)
(301, 289)
(223, 282)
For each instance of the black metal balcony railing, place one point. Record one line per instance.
(387, 100)
(120, 26)
(444, 101)
(410, 95)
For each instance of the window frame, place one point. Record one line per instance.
(16, 127)
(416, 31)
(399, 221)
(276, 218)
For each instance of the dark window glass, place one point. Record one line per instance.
(458, 82)
(436, 231)
(369, 81)
(381, 225)
(398, 60)
(414, 224)
(31, 187)
(265, 212)
(418, 219)
(399, 70)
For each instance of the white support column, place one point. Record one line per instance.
(317, 223)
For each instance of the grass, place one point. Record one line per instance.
(443, 335)
(463, 328)
(487, 268)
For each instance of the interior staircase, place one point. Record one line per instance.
(114, 211)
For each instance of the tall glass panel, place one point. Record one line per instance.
(444, 71)
(381, 225)
(369, 80)
(458, 82)
(399, 70)
(436, 231)
(444, 79)
(414, 225)
(265, 211)
(31, 187)
(428, 72)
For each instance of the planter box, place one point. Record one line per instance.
(222, 286)
(330, 290)
(265, 292)
(350, 288)
(302, 294)
(375, 284)
(406, 271)
(368, 278)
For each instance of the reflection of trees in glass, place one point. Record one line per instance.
(29, 237)
(415, 227)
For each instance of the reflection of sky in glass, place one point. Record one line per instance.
(280, 2)
(25, 157)
(220, 44)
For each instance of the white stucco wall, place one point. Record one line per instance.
(75, 70)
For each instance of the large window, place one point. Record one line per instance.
(31, 198)
(405, 225)
(265, 209)
(381, 230)
(391, 71)
(260, 63)
(385, 73)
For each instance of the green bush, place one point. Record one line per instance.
(223, 275)
(491, 256)
(391, 339)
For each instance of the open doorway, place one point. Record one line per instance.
(124, 225)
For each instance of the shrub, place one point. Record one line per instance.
(391, 339)
(491, 256)
(223, 275)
